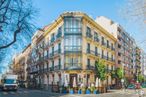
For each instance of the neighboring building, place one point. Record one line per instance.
(19, 66)
(68, 49)
(143, 61)
(138, 61)
(125, 46)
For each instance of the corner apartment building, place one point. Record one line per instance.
(68, 48)
(125, 46)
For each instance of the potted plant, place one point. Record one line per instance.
(71, 91)
(64, 90)
(75, 89)
(79, 91)
(83, 90)
(92, 89)
(88, 91)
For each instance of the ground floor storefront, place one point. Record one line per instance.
(68, 78)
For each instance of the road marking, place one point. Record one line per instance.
(12, 92)
(5, 93)
(25, 91)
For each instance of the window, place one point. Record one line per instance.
(59, 33)
(59, 63)
(102, 40)
(102, 53)
(72, 24)
(53, 37)
(88, 62)
(96, 51)
(112, 57)
(59, 46)
(52, 64)
(88, 30)
(107, 43)
(96, 36)
(52, 50)
(88, 48)
(73, 60)
(107, 55)
(73, 43)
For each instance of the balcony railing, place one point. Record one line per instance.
(46, 69)
(40, 59)
(58, 35)
(46, 45)
(112, 59)
(52, 39)
(57, 67)
(57, 52)
(72, 49)
(51, 68)
(104, 57)
(89, 35)
(103, 43)
(108, 46)
(51, 54)
(97, 54)
(112, 48)
(92, 52)
(72, 31)
(46, 57)
(73, 66)
(108, 70)
(90, 67)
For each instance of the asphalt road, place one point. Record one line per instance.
(39, 93)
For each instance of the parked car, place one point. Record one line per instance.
(134, 86)
(137, 85)
(131, 86)
(143, 85)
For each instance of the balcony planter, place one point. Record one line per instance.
(92, 89)
(83, 90)
(71, 91)
(76, 89)
(64, 90)
(95, 92)
(88, 91)
(79, 91)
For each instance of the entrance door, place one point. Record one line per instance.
(72, 79)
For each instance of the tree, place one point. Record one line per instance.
(140, 78)
(113, 74)
(15, 17)
(100, 69)
(16, 27)
(119, 73)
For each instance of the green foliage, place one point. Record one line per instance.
(119, 73)
(100, 69)
(140, 78)
(113, 74)
(92, 88)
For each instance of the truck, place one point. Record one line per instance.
(9, 82)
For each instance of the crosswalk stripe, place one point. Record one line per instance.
(5, 93)
(12, 92)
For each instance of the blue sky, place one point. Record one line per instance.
(113, 9)
(49, 10)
